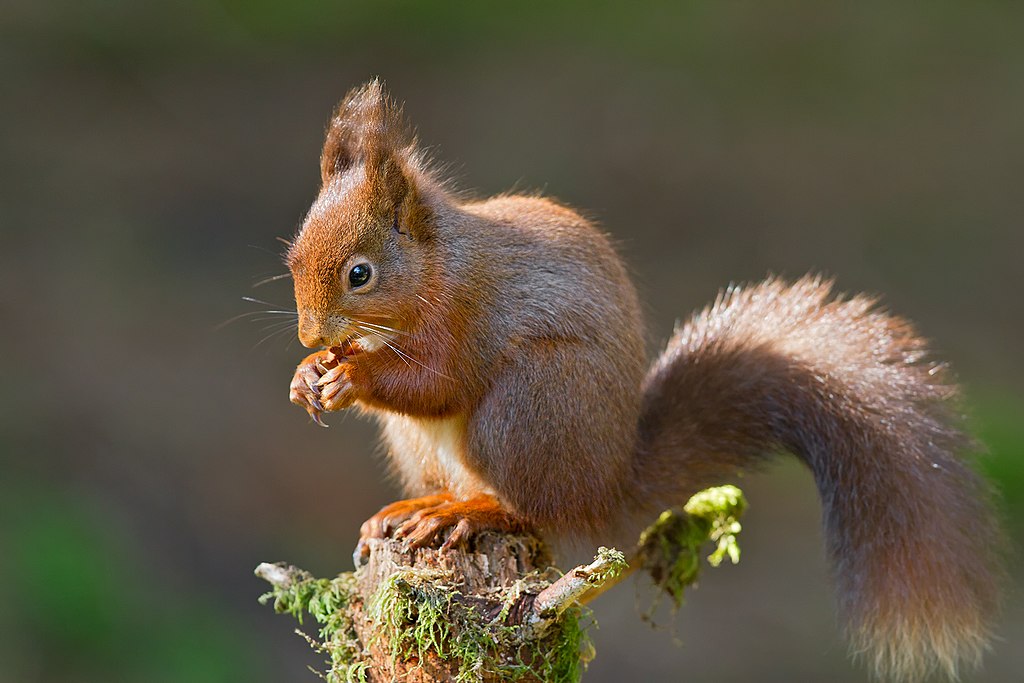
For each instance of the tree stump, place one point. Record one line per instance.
(492, 610)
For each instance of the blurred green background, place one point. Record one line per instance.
(153, 152)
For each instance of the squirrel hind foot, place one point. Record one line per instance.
(389, 518)
(438, 521)
(457, 521)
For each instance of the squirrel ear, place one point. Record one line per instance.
(395, 188)
(367, 127)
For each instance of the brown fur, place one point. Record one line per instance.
(514, 369)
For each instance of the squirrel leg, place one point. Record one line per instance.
(464, 517)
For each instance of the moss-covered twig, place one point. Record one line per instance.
(568, 590)
(670, 549)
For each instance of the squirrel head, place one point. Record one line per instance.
(359, 259)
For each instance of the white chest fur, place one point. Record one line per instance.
(429, 454)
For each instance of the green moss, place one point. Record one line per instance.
(420, 614)
(411, 612)
(718, 510)
(670, 548)
(327, 601)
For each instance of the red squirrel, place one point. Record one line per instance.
(499, 343)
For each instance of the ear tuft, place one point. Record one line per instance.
(367, 127)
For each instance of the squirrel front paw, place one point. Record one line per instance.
(321, 384)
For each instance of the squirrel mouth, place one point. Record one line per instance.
(359, 344)
(348, 347)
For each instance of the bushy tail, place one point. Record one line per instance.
(848, 389)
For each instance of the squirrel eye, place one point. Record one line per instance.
(359, 275)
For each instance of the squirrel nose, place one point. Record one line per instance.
(309, 335)
(311, 342)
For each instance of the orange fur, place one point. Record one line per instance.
(499, 343)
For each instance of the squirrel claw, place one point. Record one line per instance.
(418, 531)
(458, 536)
(332, 375)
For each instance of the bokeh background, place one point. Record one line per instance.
(152, 153)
